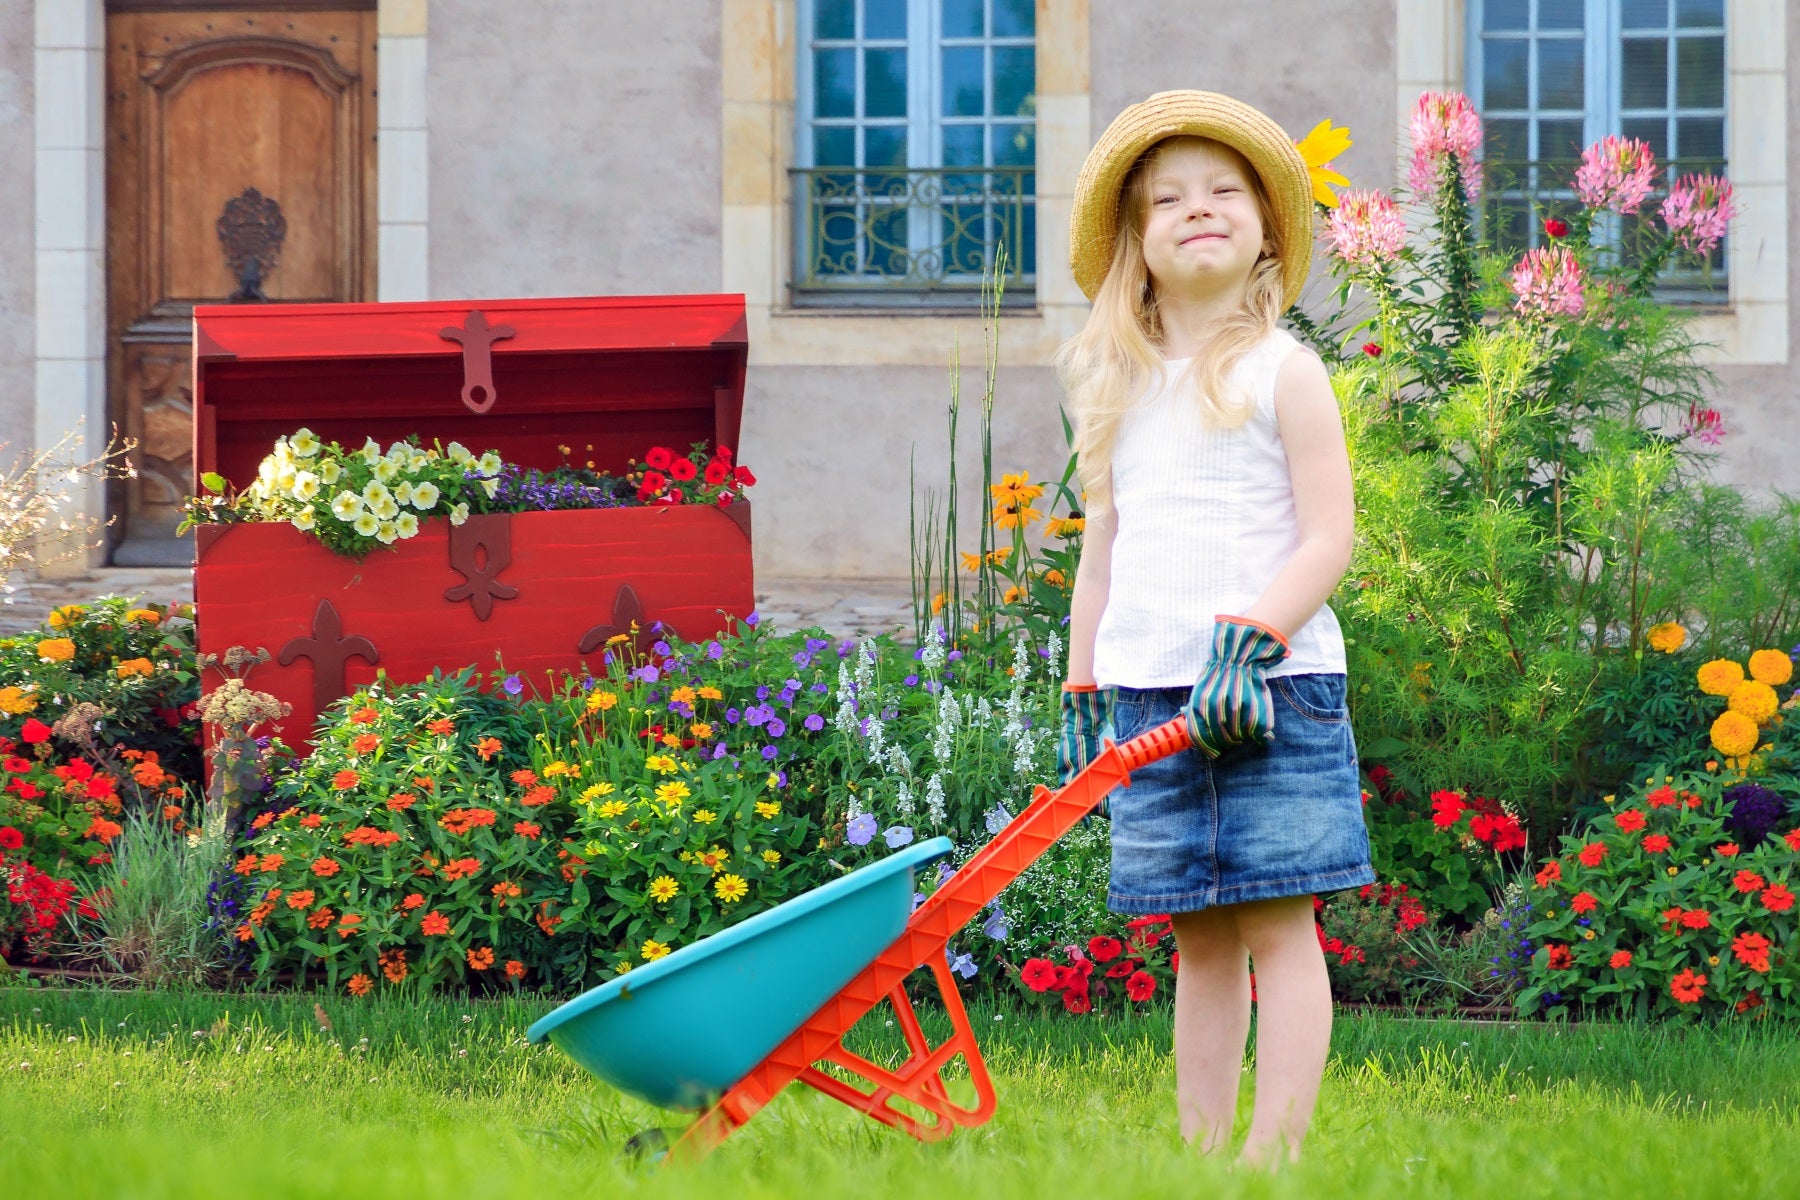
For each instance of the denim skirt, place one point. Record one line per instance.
(1258, 823)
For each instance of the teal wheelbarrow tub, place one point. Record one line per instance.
(680, 1031)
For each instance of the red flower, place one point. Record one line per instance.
(717, 473)
(1141, 986)
(654, 482)
(346, 779)
(1662, 797)
(1671, 917)
(1584, 902)
(1726, 850)
(1038, 974)
(1411, 915)
(1752, 949)
(1555, 228)
(682, 470)
(1560, 958)
(1747, 881)
(658, 458)
(1630, 821)
(1508, 834)
(35, 731)
(1372, 349)
(1792, 836)
(536, 796)
(1550, 874)
(1077, 1001)
(1687, 987)
(1620, 960)
(1751, 1000)
(1446, 808)
(1656, 843)
(1776, 898)
(1104, 949)
(311, 821)
(19, 766)
(1592, 853)
(435, 924)
(743, 477)
(412, 901)
(1122, 968)
(1696, 918)
(325, 868)
(527, 829)
(10, 838)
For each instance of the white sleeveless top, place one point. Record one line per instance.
(1205, 522)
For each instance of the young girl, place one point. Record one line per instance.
(1219, 522)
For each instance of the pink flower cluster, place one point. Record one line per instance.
(1616, 173)
(1548, 281)
(1443, 123)
(1706, 425)
(1366, 229)
(1698, 210)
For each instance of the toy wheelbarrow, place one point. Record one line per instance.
(723, 1025)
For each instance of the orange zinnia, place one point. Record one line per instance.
(459, 868)
(311, 821)
(482, 958)
(401, 801)
(515, 969)
(393, 964)
(442, 725)
(1777, 898)
(271, 863)
(413, 901)
(320, 919)
(246, 864)
(536, 796)
(527, 829)
(301, 899)
(364, 743)
(346, 779)
(487, 747)
(360, 984)
(364, 716)
(325, 868)
(1687, 987)
(348, 924)
(523, 777)
(435, 924)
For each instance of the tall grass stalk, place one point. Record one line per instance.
(153, 915)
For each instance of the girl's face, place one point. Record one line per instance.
(1203, 227)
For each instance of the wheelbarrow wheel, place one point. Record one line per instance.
(648, 1145)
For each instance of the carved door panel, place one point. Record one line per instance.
(240, 166)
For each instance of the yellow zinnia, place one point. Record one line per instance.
(672, 793)
(1667, 637)
(704, 816)
(141, 666)
(1755, 700)
(613, 808)
(596, 790)
(1318, 149)
(768, 808)
(771, 856)
(1720, 676)
(1734, 734)
(664, 889)
(662, 764)
(730, 888)
(653, 950)
(601, 701)
(1771, 667)
(682, 695)
(56, 649)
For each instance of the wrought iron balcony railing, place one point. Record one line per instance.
(1515, 193)
(906, 236)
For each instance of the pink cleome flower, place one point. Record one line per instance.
(1698, 210)
(1443, 123)
(1366, 229)
(1548, 281)
(1616, 173)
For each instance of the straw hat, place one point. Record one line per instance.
(1094, 226)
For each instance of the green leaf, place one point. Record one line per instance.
(212, 481)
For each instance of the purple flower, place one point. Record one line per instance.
(802, 659)
(756, 714)
(814, 645)
(897, 836)
(762, 693)
(781, 779)
(753, 620)
(861, 829)
(715, 651)
(719, 751)
(845, 647)
(918, 654)
(888, 714)
(647, 673)
(661, 649)
(862, 727)
(954, 656)
(933, 686)
(513, 685)
(820, 687)
(814, 722)
(995, 926)
(962, 964)
(911, 681)
(769, 752)
(776, 728)
(732, 715)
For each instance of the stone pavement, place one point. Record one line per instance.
(842, 607)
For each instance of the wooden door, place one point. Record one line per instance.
(240, 165)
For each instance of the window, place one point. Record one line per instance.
(1552, 76)
(916, 151)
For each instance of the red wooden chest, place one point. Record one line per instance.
(608, 377)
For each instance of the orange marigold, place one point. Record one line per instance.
(1771, 667)
(1734, 734)
(481, 958)
(1719, 676)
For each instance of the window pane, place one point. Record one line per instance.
(1015, 18)
(884, 145)
(1503, 69)
(1559, 141)
(1700, 72)
(962, 145)
(1506, 141)
(884, 19)
(1645, 14)
(1015, 79)
(834, 19)
(1506, 14)
(1015, 145)
(1702, 13)
(1654, 130)
(884, 83)
(834, 83)
(962, 18)
(1645, 73)
(1700, 137)
(834, 146)
(1561, 74)
(1560, 14)
(964, 68)
(884, 248)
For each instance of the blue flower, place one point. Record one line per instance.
(776, 728)
(719, 751)
(753, 620)
(962, 964)
(889, 713)
(814, 722)
(661, 648)
(995, 926)
(769, 752)
(955, 656)
(756, 714)
(781, 779)
(732, 715)
(715, 651)
(820, 687)
(802, 659)
(513, 685)
(911, 681)
(762, 692)
(861, 829)
(814, 645)
(897, 836)
(647, 673)
(933, 686)
(845, 647)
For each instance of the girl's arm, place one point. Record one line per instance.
(1093, 580)
(1312, 432)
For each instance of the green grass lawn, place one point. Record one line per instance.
(442, 1098)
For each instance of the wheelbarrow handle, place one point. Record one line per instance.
(1171, 737)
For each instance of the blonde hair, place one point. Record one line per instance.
(1109, 365)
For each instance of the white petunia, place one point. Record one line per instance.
(329, 472)
(306, 485)
(304, 444)
(386, 510)
(346, 506)
(406, 525)
(371, 452)
(403, 492)
(425, 496)
(458, 453)
(418, 462)
(376, 493)
(459, 514)
(303, 520)
(386, 534)
(366, 524)
(399, 452)
(491, 487)
(489, 463)
(386, 469)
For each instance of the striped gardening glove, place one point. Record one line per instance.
(1087, 718)
(1231, 704)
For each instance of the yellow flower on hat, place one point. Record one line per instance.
(1319, 148)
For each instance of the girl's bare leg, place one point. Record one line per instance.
(1293, 1028)
(1212, 1019)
